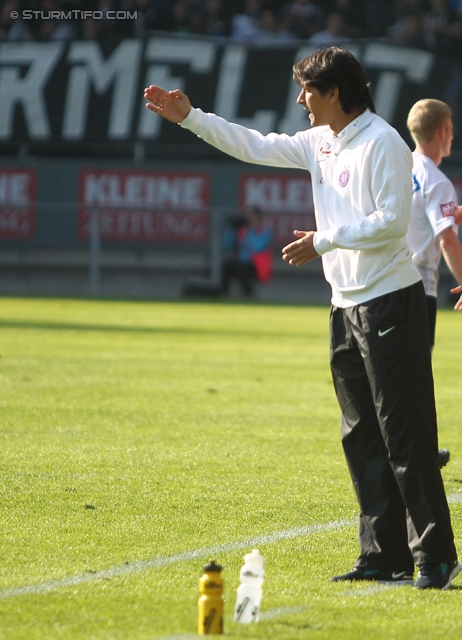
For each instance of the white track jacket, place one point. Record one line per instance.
(433, 210)
(362, 190)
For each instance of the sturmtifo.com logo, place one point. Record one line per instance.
(73, 14)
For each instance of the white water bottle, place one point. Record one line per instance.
(249, 592)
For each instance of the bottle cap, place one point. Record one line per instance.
(212, 566)
(254, 558)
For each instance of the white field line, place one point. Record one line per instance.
(372, 590)
(162, 561)
(186, 556)
(281, 611)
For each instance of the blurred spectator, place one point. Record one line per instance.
(408, 27)
(146, 16)
(443, 34)
(333, 34)
(163, 15)
(112, 29)
(248, 255)
(181, 17)
(57, 30)
(209, 18)
(216, 23)
(302, 17)
(354, 19)
(90, 29)
(13, 30)
(246, 25)
(54, 30)
(456, 6)
(442, 29)
(379, 17)
(435, 25)
(271, 30)
(152, 15)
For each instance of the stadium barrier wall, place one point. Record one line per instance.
(158, 225)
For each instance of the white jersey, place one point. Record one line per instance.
(362, 191)
(434, 203)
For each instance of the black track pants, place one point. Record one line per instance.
(381, 367)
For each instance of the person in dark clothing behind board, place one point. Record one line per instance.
(249, 257)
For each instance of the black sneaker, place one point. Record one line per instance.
(437, 576)
(376, 575)
(443, 457)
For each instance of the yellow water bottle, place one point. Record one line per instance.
(211, 600)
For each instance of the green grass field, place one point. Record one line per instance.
(140, 439)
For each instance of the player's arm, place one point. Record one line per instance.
(249, 145)
(171, 105)
(452, 253)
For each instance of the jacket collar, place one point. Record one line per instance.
(351, 130)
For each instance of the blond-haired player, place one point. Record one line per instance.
(432, 228)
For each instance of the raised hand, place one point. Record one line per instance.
(171, 105)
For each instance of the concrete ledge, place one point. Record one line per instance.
(173, 259)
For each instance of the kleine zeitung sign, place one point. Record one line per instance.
(285, 198)
(18, 189)
(145, 205)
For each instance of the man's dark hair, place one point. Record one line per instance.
(335, 67)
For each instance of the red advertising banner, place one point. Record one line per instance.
(18, 194)
(286, 199)
(168, 206)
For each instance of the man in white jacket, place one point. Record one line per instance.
(380, 356)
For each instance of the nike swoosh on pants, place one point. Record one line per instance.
(382, 333)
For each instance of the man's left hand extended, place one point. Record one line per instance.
(302, 250)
